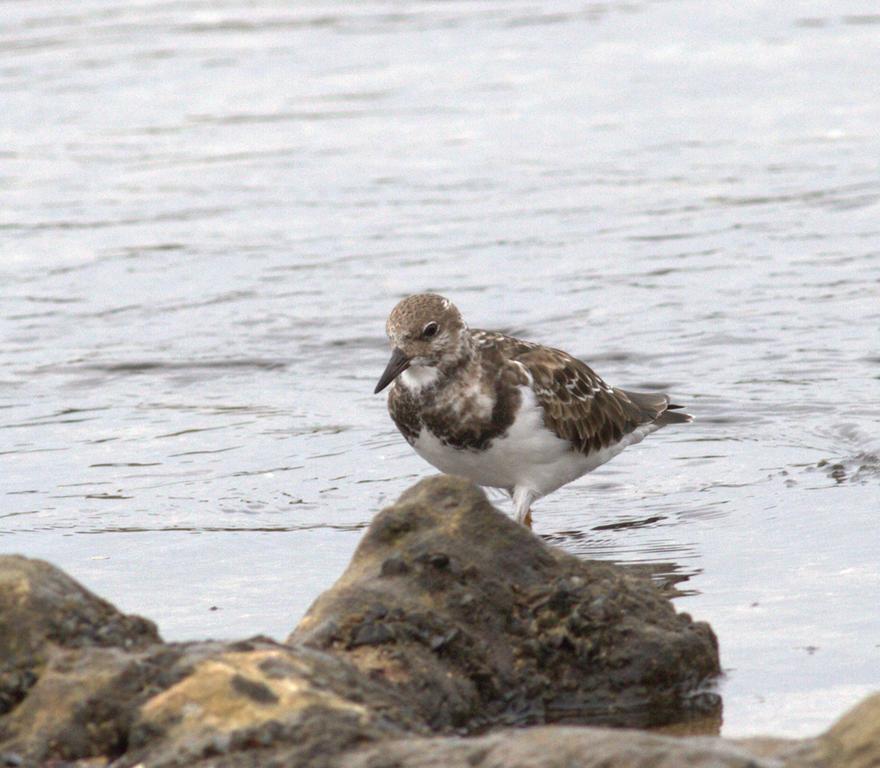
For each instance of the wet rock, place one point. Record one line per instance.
(81, 706)
(559, 748)
(478, 623)
(42, 608)
(70, 666)
(194, 703)
(854, 740)
(267, 704)
(449, 617)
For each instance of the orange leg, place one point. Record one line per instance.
(522, 502)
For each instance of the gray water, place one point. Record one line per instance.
(208, 208)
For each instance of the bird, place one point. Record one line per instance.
(504, 412)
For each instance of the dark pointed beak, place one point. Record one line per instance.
(398, 363)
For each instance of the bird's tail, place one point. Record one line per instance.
(673, 415)
(655, 407)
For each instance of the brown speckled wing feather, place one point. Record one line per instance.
(508, 346)
(578, 405)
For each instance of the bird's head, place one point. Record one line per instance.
(425, 330)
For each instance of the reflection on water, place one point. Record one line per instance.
(209, 208)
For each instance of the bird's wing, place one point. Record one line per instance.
(578, 405)
(508, 346)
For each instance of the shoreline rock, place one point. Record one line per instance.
(40, 608)
(450, 625)
(481, 623)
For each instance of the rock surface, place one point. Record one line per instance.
(854, 740)
(41, 608)
(478, 622)
(549, 747)
(258, 703)
(450, 618)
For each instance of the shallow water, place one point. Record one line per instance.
(209, 207)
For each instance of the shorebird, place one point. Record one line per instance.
(503, 412)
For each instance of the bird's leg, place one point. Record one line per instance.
(522, 502)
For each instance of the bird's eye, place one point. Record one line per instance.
(430, 330)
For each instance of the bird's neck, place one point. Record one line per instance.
(452, 367)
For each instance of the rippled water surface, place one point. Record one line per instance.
(207, 209)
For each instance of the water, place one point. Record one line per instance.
(209, 207)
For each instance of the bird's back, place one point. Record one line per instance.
(578, 405)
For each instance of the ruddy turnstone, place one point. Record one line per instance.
(504, 412)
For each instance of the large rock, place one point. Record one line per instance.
(200, 703)
(42, 608)
(81, 706)
(69, 661)
(478, 622)
(548, 747)
(258, 703)
(854, 740)
(450, 619)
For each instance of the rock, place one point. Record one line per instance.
(262, 701)
(548, 747)
(854, 740)
(184, 704)
(479, 623)
(43, 608)
(71, 666)
(450, 618)
(81, 706)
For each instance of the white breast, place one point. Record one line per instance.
(417, 376)
(528, 456)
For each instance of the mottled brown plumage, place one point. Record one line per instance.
(452, 413)
(467, 401)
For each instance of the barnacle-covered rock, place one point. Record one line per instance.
(481, 623)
